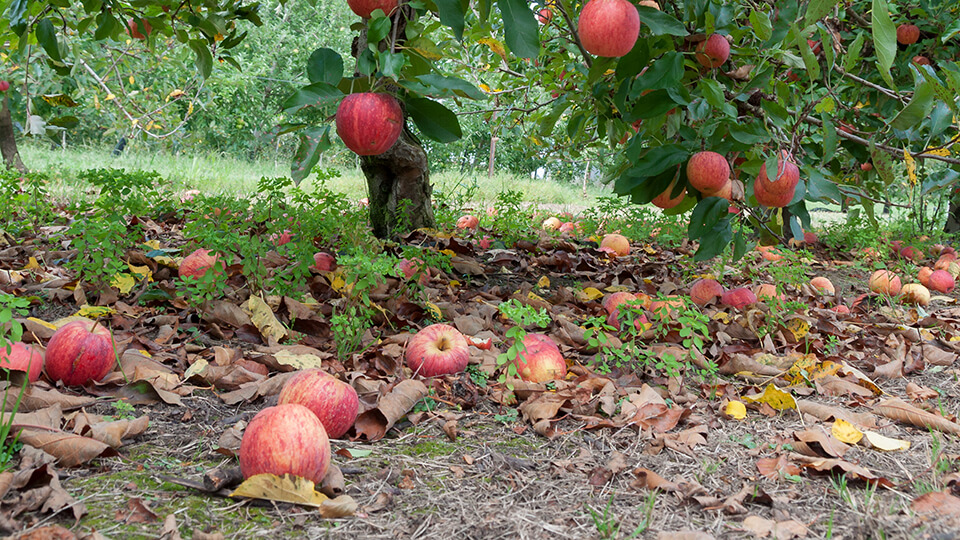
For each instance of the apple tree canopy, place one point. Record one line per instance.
(823, 84)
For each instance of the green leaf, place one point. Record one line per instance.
(377, 29)
(661, 23)
(325, 65)
(919, 108)
(951, 31)
(882, 165)
(313, 95)
(810, 61)
(706, 215)
(739, 245)
(830, 138)
(749, 133)
(451, 15)
(18, 14)
(47, 37)
(659, 159)
(313, 142)
(66, 122)
(712, 92)
(884, 38)
(760, 22)
(853, 53)
(450, 86)
(204, 58)
(391, 64)
(820, 187)
(666, 72)
(520, 28)
(818, 9)
(434, 120)
(59, 100)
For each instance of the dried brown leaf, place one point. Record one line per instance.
(941, 502)
(901, 411)
(69, 449)
(374, 423)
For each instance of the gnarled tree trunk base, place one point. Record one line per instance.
(399, 184)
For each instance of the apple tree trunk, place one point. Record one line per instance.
(8, 140)
(952, 224)
(399, 185)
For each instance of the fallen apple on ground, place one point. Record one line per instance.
(285, 439)
(80, 352)
(540, 361)
(22, 357)
(333, 401)
(438, 349)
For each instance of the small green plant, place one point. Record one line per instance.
(122, 411)
(348, 326)
(212, 285)
(10, 329)
(507, 416)
(608, 525)
(9, 447)
(477, 375)
(522, 316)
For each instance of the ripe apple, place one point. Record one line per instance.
(195, 265)
(866, 167)
(713, 51)
(767, 292)
(705, 290)
(80, 352)
(907, 34)
(941, 281)
(788, 176)
(915, 293)
(923, 276)
(921, 61)
(438, 349)
(468, 222)
(364, 8)
(551, 224)
(739, 298)
(708, 171)
(369, 123)
(664, 201)
(912, 253)
(135, 32)
(611, 302)
(616, 244)
(22, 357)
(410, 267)
(4, 86)
(540, 360)
(822, 285)
(771, 200)
(544, 15)
(609, 27)
(323, 262)
(884, 282)
(285, 439)
(333, 401)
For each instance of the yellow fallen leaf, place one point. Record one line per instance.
(152, 244)
(845, 432)
(95, 311)
(736, 410)
(290, 489)
(454, 283)
(434, 311)
(264, 319)
(773, 396)
(31, 264)
(543, 282)
(142, 272)
(589, 294)
(195, 368)
(798, 327)
(43, 323)
(532, 296)
(872, 439)
(448, 252)
(723, 317)
(299, 361)
(124, 282)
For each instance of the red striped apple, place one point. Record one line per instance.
(609, 27)
(540, 360)
(195, 265)
(364, 8)
(369, 123)
(286, 439)
(333, 401)
(80, 352)
(438, 349)
(22, 357)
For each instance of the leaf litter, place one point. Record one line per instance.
(805, 398)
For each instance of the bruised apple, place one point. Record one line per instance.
(705, 290)
(616, 244)
(286, 439)
(438, 349)
(884, 282)
(80, 352)
(333, 401)
(196, 264)
(540, 360)
(22, 357)
(915, 293)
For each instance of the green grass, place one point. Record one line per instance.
(212, 173)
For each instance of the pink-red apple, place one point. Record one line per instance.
(738, 298)
(369, 123)
(884, 282)
(915, 293)
(286, 439)
(822, 285)
(195, 265)
(540, 360)
(80, 352)
(333, 401)
(713, 51)
(615, 244)
(907, 34)
(708, 171)
(609, 27)
(664, 201)
(364, 8)
(611, 302)
(22, 357)
(438, 349)
(705, 290)
(468, 222)
(941, 281)
(323, 262)
(544, 15)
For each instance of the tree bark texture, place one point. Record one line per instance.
(399, 185)
(8, 140)
(953, 216)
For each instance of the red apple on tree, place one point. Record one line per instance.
(540, 360)
(708, 172)
(713, 51)
(22, 357)
(609, 27)
(544, 15)
(664, 201)
(365, 8)
(907, 34)
(333, 401)
(286, 439)
(369, 123)
(438, 349)
(80, 352)
(4, 86)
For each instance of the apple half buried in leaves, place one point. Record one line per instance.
(79, 353)
(438, 349)
(22, 357)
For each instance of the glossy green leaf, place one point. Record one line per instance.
(325, 65)
(47, 37)
(917, 109)
(313, 142)
(204, 58)
(451, 15)
(660, 22)
(810, 61)
(520, 27)
(884, 38)
(852, 58)
(760, 22)
(434, 120)
(313, 95)
(378, 28)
